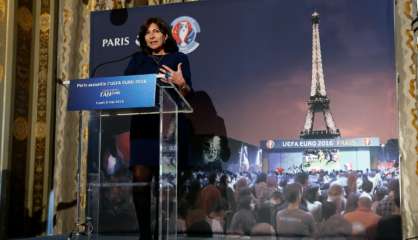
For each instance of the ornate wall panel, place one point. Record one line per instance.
(73, 63)
(6, 69)
(21, 119)
(408, 128)
(30, 103)
(40, 155)
(3, 7)
(66, 138)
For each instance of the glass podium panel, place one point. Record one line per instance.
(167, 216)
(110, 205)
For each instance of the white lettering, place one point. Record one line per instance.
(126, 41)
(115, 42)
(111, 42)
(105, 42)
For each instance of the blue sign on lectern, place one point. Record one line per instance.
(120, 92)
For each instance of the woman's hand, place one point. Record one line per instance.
(175, 77)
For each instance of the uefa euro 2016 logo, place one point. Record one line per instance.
(270, 144)
(184, 30)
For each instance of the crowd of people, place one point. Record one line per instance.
(316, 205)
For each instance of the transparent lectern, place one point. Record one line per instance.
(110, 209)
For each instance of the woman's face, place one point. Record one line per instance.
(155, 38)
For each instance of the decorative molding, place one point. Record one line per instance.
(1, 71)
(24, 18)
(41, 116)
(21, 128)
(21, 117)
(408, 131)
(64, 174)
(2, 11)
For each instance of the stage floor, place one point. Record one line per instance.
(119, 237)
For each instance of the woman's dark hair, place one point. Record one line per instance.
(170, 45)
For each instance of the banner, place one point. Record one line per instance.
(321, 143)
(134, 91)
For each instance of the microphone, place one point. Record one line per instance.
(93, 72)
(63, 83)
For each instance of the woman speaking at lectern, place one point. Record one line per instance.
(158, 54)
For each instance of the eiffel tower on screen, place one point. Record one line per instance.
(318, 101)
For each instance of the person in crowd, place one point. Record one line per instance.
(277, 201)
(282, 215)
(387, 205)
(390, 227)
(158, 54)
(351, 182)
(364, 221)
(292, 221)
(226, 192)
(379, 195)
(264, 213)
(333, 225)
(193, 212)
(209, 194)
(260, 185)
(336, 195)
(261, 190)
(181, 216)
(367, 188)
(303, 179)
(216, 218)
(311, 196)
(191, 197)
(241, 183)
(200, 229)
(272, 184)
(352, 202)
(189, 201)
(264, 221)
(244, 219)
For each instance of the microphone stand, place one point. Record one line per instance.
(93, 72)
(88, 228)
